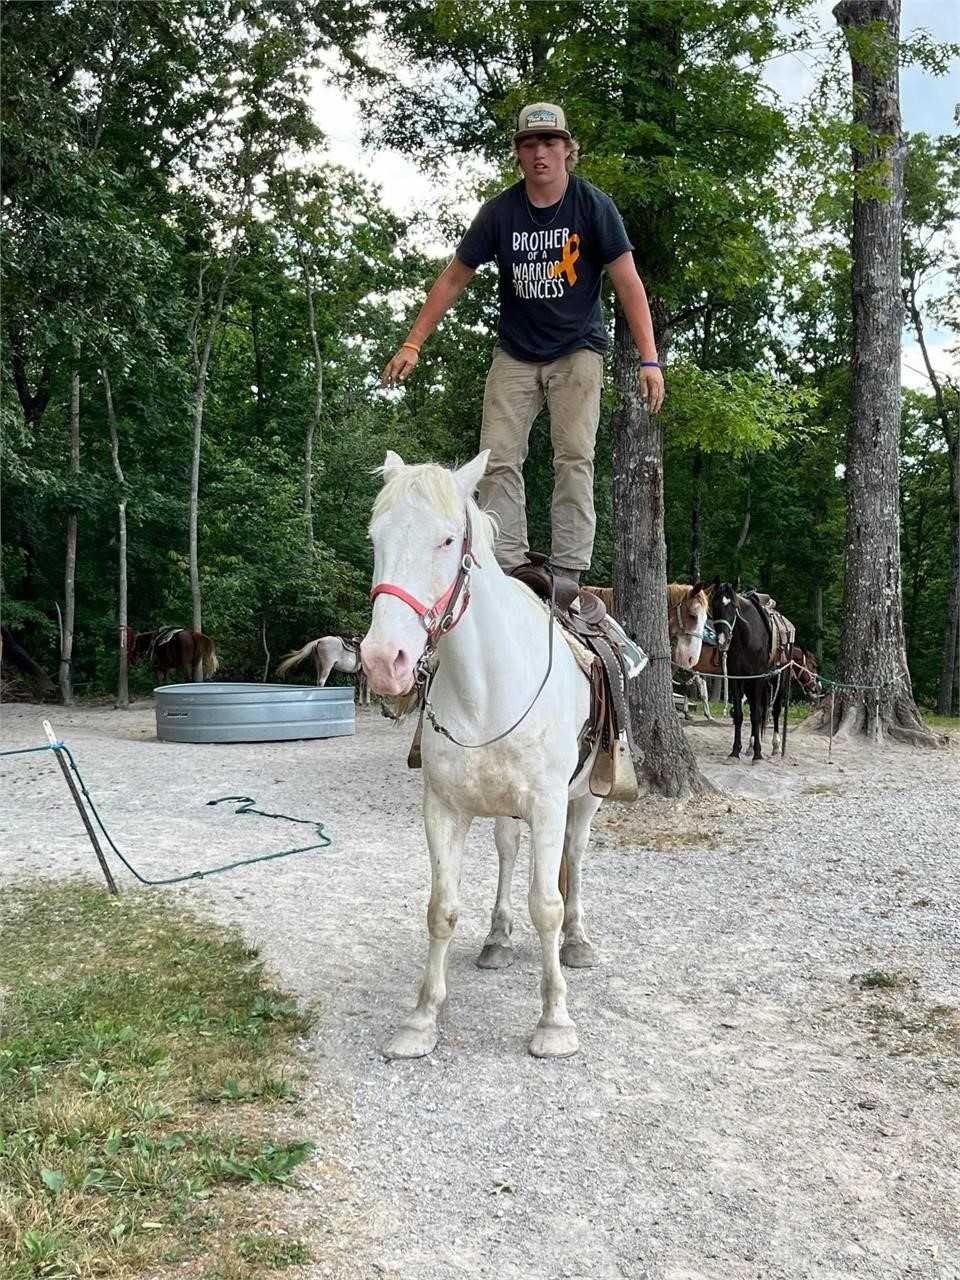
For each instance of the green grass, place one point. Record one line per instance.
(879, 979)
(140, 1071)
(950, 724)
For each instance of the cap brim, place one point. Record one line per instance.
(533, 133)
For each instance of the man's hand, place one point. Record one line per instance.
(651, 388)
(400, 367)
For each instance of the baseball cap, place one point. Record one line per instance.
(541, 117)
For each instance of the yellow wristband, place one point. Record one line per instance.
(412, 345)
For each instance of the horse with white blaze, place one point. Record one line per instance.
(509, 702)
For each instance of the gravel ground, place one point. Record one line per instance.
(741, 1105)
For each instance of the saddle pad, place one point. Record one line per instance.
(584, 658)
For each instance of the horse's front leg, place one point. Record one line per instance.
(497, 952)
(446, 835)
(555, 1035)
(577, 951)
(756, 701)
(736, 708)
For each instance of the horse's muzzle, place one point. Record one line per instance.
(389, 670)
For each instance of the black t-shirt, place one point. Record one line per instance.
(551, 262)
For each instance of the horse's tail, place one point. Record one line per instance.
(294, 658)
(129, 639)
(211, 663)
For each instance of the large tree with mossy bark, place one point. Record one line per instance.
(873, 694)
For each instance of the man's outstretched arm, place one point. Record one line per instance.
(447, 289)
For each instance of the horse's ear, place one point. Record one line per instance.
(391, 463)
(471, 473)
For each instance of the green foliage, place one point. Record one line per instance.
(129, 131)
(735, 412)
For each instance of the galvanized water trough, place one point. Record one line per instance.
(225, 712)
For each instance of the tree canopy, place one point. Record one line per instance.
(165, 187)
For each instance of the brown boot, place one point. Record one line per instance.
(561, 571)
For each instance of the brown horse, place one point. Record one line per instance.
(15, 655)
(804, 673)
(687, 609)
(173, 649)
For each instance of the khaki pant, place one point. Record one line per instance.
(516, 391)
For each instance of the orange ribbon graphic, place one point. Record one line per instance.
(571, 252)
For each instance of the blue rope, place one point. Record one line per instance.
(245, 807)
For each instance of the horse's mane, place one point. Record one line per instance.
(434, 484)
(677, 590)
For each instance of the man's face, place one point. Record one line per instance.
(542, 158)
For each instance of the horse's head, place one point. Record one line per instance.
(421, 543)
(139, 645)
(807, 675)
(723, 612)
(687, 609)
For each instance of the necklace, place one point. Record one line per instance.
(530, 207)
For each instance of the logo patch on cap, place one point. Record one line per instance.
(541, 116)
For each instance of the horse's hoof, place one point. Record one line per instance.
(495, 956)
(554, 1042)
(579, 955)
(411, 1042)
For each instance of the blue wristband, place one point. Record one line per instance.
(649, 364)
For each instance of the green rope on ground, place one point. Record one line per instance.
(324, 839)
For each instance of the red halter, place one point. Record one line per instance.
(439, 618)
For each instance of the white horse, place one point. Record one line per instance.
(330, 653)
(510, 701)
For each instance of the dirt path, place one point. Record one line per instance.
(742, 1106)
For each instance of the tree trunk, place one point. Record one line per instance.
(201, 363)
(874, 695)
(696, 515)
(123, 685)
(818, 622)
(640, 571)
(70, 566)
(313, 427)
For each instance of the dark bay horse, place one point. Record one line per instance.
(172, 649)
(744, 638)
(13, 653)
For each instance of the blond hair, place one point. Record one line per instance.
(573, 153)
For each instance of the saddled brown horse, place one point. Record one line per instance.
(687, 609)
(172, 649)
(803, 672)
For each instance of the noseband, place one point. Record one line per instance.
(442, 615)
(681, 630)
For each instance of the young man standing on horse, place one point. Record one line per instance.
(551, 235)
